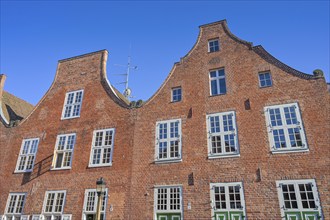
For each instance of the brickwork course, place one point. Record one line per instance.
(134, 173)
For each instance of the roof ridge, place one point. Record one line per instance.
(80, 56)
(213, 23)
(234, 37)
(18, 98)
(271, 59)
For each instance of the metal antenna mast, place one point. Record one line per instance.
(128, 91)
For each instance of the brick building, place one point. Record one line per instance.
(232, 133)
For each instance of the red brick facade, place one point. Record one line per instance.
(134, 173)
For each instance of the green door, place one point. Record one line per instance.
(302, 215)
(222, 216)
(93, 216)
(229, 215)
(169, 216)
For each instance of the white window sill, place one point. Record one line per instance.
(99, 165)
(52, 213)
(23, 171)
(284, 151)
(261, 87)
(70, 117)
(162, 212)
(216, 156)
(173, 160)
(62, 168)
(220, 94)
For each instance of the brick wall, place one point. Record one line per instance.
(134, 174)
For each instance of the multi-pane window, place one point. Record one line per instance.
(213, 45)
(168, 202)
(72, 104)
(265, 79)
(168, 140)
(227, 201)
(52, 217)
(27, 155)
(102, 147)
(222, 134)
(15, 205)
(285, 128)
(176, 94)
(54, 206)
(217, 82)
(90, 204)
(299, 199)
(64, 151)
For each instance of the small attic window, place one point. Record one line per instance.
(213, 45)
(72, 104)
(265, 79)
(176, 94)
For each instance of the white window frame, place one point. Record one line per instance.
(9, 215)
(64, 151)
(36, 217)
(209, 46)
(53, 213)
(172, 94)
(73, 104)
(222, 134)
(113, 130)
(285, 128)
(168, 210)
(42, 217)
(27, 155)
(22, 217)
(227, 209)
(300, 208)
(271, 80)
(85, 212)
(217, 78)
(168, 141)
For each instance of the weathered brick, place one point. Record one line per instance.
(134, 173)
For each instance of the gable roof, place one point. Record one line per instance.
(13, 108)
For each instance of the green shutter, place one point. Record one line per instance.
(308, 215)
(221, 216)
(162, 217)
(311, 215)
(293, 216)
(176, 217)
(169, 216)
(235, 215)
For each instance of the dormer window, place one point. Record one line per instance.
(72, 104)
(213, 45)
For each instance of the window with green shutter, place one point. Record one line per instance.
(227, 201)
(299, 200)
(168, 202)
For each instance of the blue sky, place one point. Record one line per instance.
(36, 34)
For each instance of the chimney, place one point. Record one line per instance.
(2, 84)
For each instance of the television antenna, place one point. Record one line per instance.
(127, 92)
